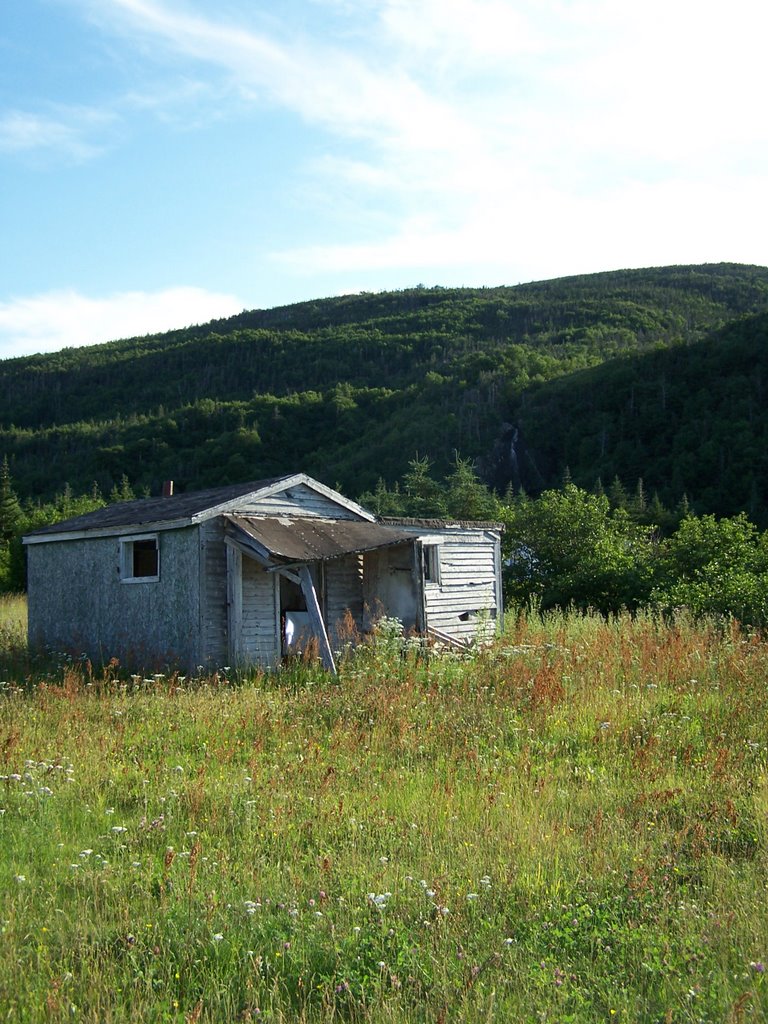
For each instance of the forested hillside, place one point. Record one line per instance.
(689, 419)
(656, 374)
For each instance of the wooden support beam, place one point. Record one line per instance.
(316, 618)
(234, 604)
(417, 579)
(283, 570)
(447, 639)
(246, 544)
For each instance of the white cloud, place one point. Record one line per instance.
(542, 134)
(61, 319)
(352, 93)
(443, 88)
(547, 233)
(64, 130)
(462, 34)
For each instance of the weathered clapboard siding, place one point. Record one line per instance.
(296, 501)
(465, 602)
(77, 601)
(343, 594)
(213, 604)
(259, 642)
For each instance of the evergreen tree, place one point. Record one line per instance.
(657, 514)
(383, 501)
(639, 502)
(683, 509)
(424, 496)
(617, 494)
(467, 497)
(122, 493)
(10, 510)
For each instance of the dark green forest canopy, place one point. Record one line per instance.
(685, 419)
(645, 373)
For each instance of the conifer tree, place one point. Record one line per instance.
(122, 493)
(617, 494)
(683, 508)
(10, 510)
(469, 498)
(657, 513)
(424, 495)
(640, 502)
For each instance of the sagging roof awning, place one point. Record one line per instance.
(300, 540)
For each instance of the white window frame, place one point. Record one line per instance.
(126, 558)
(431, 552)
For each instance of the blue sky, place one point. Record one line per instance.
(163, 162)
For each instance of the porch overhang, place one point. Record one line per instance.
(283, 542)
(288, 546)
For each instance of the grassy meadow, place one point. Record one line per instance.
(570, 826)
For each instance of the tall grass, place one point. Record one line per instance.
(570, 826)
(13, 621)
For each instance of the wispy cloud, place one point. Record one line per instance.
(493, 132)
(55, 320)
(68, 131)
(544, 233)
(360, 94)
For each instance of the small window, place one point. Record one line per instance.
(431, 563)
(139, 559)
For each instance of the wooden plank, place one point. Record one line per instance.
(202, 598)
(248, 545)
(456, 609)
(343, 594)
(296, 501)
(260, 641)
(417, 577)
(280, 571)
(234, 603)
(316, 618)
(498, 584)
(446, 638)
(215, 632)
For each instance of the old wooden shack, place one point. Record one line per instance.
(245, 574)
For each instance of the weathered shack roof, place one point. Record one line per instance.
(441, 524)
(153, 510)
(312, 540)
